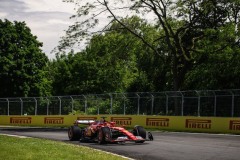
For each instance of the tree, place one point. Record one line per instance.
(219, 49)
(185, 26)
(22, 63)
(104, 66)
(219, 71)
(115, 61)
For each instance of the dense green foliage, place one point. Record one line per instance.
(187, 45)
(22, 63)
(113, 62)
(190, 32)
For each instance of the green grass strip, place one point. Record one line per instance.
(15, 148)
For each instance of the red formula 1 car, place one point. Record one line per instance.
(106, 132)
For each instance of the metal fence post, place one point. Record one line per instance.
(21, 106)
(232, 111)
(60, 106)
(138, 109)
(111, 103)
(72, 103)
(199, 103)
(35, 105)
(182, 103)
(85, 104)
(47, 105)
(152, 98)
(124, 104)
(95, 102)
(8, 105)
(215, 104)
(166, 103)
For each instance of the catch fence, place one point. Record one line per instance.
(215, 103)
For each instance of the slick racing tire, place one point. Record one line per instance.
(139, 131)
(74, 133)
(104, 135)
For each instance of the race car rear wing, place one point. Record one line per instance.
(87, 122)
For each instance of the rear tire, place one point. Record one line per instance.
(104, 135)
(74, 133)
(139, 131)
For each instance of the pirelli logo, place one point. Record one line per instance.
(122, 120)
(86, 118)
(20, 120)
(53, 120)
(157, 122)
(234, 125)
(198, 123)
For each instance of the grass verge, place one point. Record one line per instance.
(15, 148)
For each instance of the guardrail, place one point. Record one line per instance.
(211, 103)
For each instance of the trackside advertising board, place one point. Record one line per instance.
(178, 123)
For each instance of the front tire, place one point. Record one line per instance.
(74, 133)
(140, 131)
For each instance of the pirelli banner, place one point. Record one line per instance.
(194, 124)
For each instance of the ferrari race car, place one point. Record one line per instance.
(104, 132)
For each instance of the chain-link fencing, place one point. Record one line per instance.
(217, 103)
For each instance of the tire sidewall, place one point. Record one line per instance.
(140, 131)
(74, 133)
(103, 135)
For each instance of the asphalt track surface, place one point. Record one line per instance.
(166, 145)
